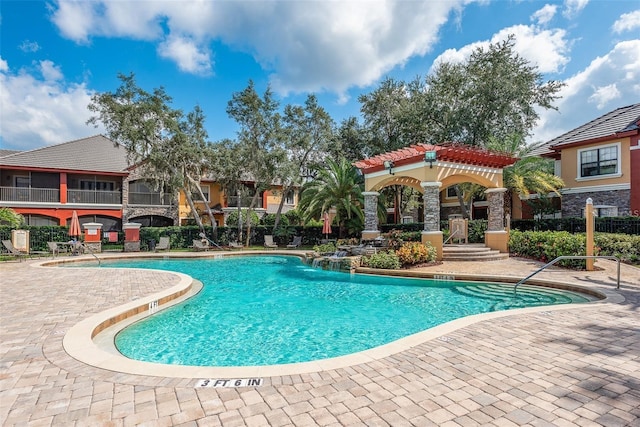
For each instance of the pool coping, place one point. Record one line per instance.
(90, 341)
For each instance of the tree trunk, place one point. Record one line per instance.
(463, 207)
(254, 199)
(214, 229)
(285, 190)
(187, 195)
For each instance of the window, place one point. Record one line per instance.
(451, 192)
(205, 191)
(23, 181)
(599, 161)
(288, 198)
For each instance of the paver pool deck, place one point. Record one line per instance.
(571, 366)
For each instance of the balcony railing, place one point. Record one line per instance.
(232, 201)
(21, 194)
(150, 199)
(94, 197)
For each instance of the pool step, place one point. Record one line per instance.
(471, 252)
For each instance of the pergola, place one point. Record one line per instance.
(427, 168)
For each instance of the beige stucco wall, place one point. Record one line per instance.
(446, 173)
(570, 162)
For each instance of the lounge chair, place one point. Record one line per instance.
(13, 251)
(199, 245)
(296, 242)
(235, 245)
(268, 242)
(164, 244)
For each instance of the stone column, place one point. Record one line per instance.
(370, 215)
(431, 232)
(496, 237)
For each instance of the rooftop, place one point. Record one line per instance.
(94, 154)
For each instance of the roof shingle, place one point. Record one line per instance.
(93, 154)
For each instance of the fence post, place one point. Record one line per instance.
(590, 223)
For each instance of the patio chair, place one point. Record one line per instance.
(164, 244)
(235, 245)
(296, 242)
(53, 248)
(199, 245)
(268, 242)
(13, 251)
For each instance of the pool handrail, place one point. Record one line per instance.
(515, 288)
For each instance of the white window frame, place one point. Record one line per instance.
(206, 190)
(616, 174)
(452, 189)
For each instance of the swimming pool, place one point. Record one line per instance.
(270, 310)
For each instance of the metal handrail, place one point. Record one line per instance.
(515, 288)
(91, 252)
(450, 236)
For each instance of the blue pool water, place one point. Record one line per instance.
(264, 310)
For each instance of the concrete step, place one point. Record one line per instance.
(475, 252)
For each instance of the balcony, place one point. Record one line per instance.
(150, 199)
(245, 201)
(94, 197)
(22, 194)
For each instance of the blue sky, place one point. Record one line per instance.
(54, 55)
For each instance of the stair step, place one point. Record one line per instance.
(471, 252)
(485, 256)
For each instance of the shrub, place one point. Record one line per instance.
(623, 246)
(270, 219)
(386, 260)
(325, 248)
(396, 238)
(232, 219)
(412, 253)
(548, 245)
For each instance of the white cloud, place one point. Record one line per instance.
(28, 46)
(186, 54)
(627, 22)
(603, 95)
(306, 46)
(547, 49)
(50, 71)
(37, 112)
(609, 82)
(573, 7)
(545, 15)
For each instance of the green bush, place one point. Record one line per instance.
(325, 248)
(477, 229)
(232, 219)
(387, 260)
(623, 246)
(411, 253)
(548, 245)
(270, 219)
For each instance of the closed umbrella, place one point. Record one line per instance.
(326, 225)
(74, 227)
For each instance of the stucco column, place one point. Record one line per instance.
(496, 237)
(370, 215)
(431, 232)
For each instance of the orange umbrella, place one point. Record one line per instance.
(326, 224)
(74, 227)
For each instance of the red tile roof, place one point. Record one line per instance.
(451, 152)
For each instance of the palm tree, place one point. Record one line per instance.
(338, 187)
(529, 175)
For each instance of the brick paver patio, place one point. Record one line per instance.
(577, 366)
